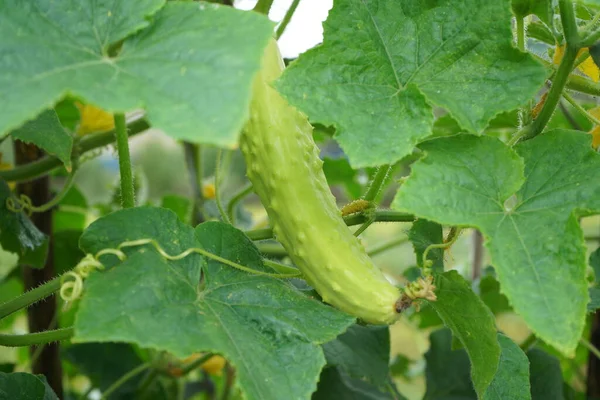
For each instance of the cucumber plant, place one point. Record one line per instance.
(155, 273)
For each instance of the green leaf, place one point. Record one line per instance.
(339, 171)
(448, 372)
(594, 303)
(265, 327)
(512, 379)
(194, 80)
(362, 352)
(422, 234)
(335, 384)
(182, 206)
(104, 364)
(22, 386)
(46, 132)
(19, 235)
(384, 62)
(545, 376)
(494, 299)
(530, 224)
(472, 323)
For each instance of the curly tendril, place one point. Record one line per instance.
(72, 281)
(452, 237)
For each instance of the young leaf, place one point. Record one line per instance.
(422, 234)
(19, 235)
(362, 352)
(265, 327)
(193, 79)
(46, 132)
(472, 323)
(530, 224)
(20, 385)
(384, 61)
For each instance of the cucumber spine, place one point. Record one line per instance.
(284, 167)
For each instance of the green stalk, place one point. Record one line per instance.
(387, 246)
(127, 196)
(353, 219)
(30, 297)
(272, 250)
(582, 110)
(222, 212)
(377, 183)
(239, 196)
(569, 23)
(263, 6)
(129, 375)
(521, 33)
(34, 339)
(558, 84)
(590, 347)
(87, 143)
(195, 364)
(286, 19)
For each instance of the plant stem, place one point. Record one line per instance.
(528, 343)
(129, 375)
(582, 110)
(477, 254)
(377, 183)
(387, 246)
(590, 347)
(127, 196)
(87, 143)
(239, 196)
(36, 338)
(569, 23)
(272, 249)
(263, 6)
(558, 84)
(193, 158)
(520, 33)
(286, 19)
(30, 297)
(353, 219)
(222, 212)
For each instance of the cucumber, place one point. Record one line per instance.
(284, 167)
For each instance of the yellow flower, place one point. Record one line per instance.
(214, 365)
(588, 67)
(208, 191)
(93, 119)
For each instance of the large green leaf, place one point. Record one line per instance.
(447, 372)
(527, 209)
(269, 330)
(362, 352)
(19, 235)
(22, 386)
(472, 324)
(46, 132)
(192, 68)
(546, 376)
(383, 62)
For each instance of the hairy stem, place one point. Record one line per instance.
(30, 297)
(239, 196)
(36, 338)
(127, 196)
(377, 183)
(353, 219)
(193, 158)
(222, 212)
(121, 381)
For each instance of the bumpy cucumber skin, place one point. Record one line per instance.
(284, 167)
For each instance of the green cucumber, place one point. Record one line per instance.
(284, 167)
